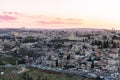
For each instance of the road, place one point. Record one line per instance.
(23, 69)
(73, 72)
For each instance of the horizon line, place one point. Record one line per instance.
(58, 28)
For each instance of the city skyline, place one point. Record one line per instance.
(57, 14)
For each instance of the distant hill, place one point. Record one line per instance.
(72, 29)
(84, 29)
(64, 29)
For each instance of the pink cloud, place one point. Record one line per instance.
(74, 19)
(7, 18)
(69, 19)
(50, 22)
(61, 21)
(8, 12)
(58, 18)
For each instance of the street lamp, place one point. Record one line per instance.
(1, 73)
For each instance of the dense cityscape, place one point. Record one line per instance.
(59, 40)
(91, 53)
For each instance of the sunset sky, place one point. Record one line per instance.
(60, 14)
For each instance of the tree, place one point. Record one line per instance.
(71, 46)
(105, 44)
(68, 57)
(114, 37)
(29, 39)
(39, 78)
(92, 65)
(30, 78)
(114, 45)
(56, 63)
(45, 78)
(1, 62)
(26, 76)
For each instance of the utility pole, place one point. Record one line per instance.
(1, 75)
